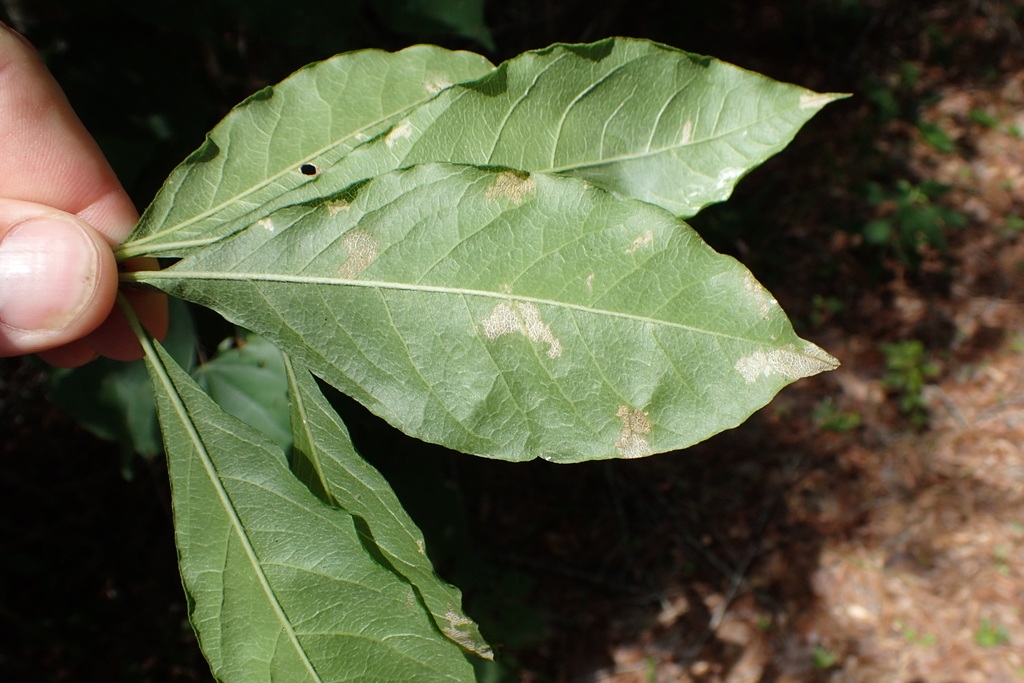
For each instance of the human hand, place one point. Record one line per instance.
(62, 210)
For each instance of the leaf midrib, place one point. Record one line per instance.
(633, 156)
(146, 277)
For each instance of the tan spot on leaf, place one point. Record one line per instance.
(632, 443)
(456, 630)
(511, 186)
(765, 301)
(267, 224)
(337, 206)
(687, 133)
(521, 318)
(402, 130)
(814, 100)
(787, 362)
(727, 177)
(436, 84)
(644, 240)
(362, 251)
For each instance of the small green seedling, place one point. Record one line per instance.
(907, 370)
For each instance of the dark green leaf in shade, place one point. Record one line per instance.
(114, 400)
(248, 381)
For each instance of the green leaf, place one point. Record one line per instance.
(640, 119)
(280, 586)
(284, 136)
(249, 382)
(506, 315)
(637, 118)
(326, 461)
(936, 137)
(112, 400)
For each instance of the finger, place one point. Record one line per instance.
(58, 278)
(70, 355)
(114, 335)
(46, 155)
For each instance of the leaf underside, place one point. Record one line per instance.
(280, 586)
(637, 118)
(506, 315)
(248, 381)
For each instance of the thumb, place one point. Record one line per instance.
(58, 278)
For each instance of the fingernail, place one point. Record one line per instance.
(48, 271)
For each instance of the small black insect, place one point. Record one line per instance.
(308, 169)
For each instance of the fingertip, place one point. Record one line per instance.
(58, 278)
(71, 355)
(6, 30)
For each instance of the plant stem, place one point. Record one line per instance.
(133, 322)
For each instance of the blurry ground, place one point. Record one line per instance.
(831, 538)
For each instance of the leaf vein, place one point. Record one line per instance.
(519, 101)
(255, 278)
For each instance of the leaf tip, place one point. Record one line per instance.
(460, 630)
(207, 151)
(787, 362)
(815, 100)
